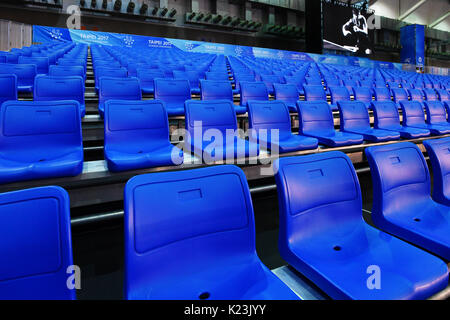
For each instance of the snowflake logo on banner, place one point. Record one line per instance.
(280, 54)
(56, 34)
(189, 46)
(238, 50)
(128, 41)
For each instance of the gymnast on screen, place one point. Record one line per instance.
(357, 31)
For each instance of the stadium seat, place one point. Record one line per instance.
(146, 79)
(265, 116)
(8, 87)
(207, 123)
(173, 92)
(324, 236)
(117, 89)
(402, 204)
(40, 139)
(137, 136)
(382, 94)
(438, 150)
(443, 95)
(364, 95)
(64, 71)
(108, 72)
(219, 90)
(399, 94)
(220, 76)
(215, 258)
(269, 80)
(413, 116)
(316, 93)
(35, 245)
(238, 77)
(338, 94)
(354, 118)
(316, 120)
(41, 63)
(436, 114)
(387, 118)
(51, 88)
(192, 76)
(288, 93)
(253, 91)
(430, 94)
(25, 74)
(415, 95)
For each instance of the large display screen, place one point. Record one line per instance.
(346, 28)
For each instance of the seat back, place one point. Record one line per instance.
(287, 93)
(8, 87)
(192, 76)
(64, 71)
(135, 123)
(35, 244)
(41, 63)
(222, 76)
(314, 93)
(399, 94)
(51, 88)
(253, 91)
(25, 73)
(158, 245)
(32, 130)
(316, 193)
(148, 75)
(386, 114)
(216, 90)
(315, 117)
(415, 95)
(363, 94)
(269, 115)
(119, 89)
(353, 115)
(238, 77)
(412, 113)
(435, 112)
(382, 94)
(339, 94)
(443, 95)
(430, 94)
(172, 90)
(438, 151)
(400, 178)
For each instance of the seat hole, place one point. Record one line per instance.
(337, 248)
(204, 295)
(41, 160)
(140, 151)
(417, 219)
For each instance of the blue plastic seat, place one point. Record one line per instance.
(382, 94)
(40, 139)
(146, 79)
(192, 76)
(238, 77)
(100, 72)
(436, 113)
(415, 95)
(288, 93)
(214, 258)
(438, 151)
(269, 80)
(214, 118)
(253, 91)
(387, 118)
(42, 63)
(364, 95)
(8, 87)
(430, 94)
(264, 116)
(316, 93)
(35, 245)
(137, 136)
(219, 90)
(354, 118)
(117, 89)
(174, 92)
(399, 94)
(51, 88)
(324, 236)
(219, 76)
(413, 116)
(316, 120)
(64, 71)
(25, 74)
(338, 94)
(443, 95)
(402, 204)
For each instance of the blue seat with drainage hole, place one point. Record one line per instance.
(137, 136)
(265, 116)
(35, 245)
(387, 118)
(111, 88)
(354, 118)
(439, 152)
(214, 258)
(212, 131)
(402, 204)
(39, 140)
(173, 92)
(8, 87)
(316, 120)
(413, 116)
(219, 90)
(324, 236)
(54, 88)
(288, 93)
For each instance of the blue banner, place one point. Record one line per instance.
(43, 34)
(412, 39)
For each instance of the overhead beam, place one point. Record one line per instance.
(439, 20)
(411, 10)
